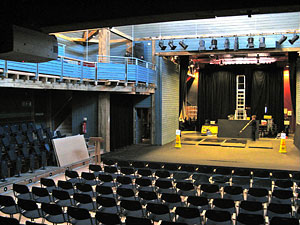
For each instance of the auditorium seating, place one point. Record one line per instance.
(110, 196)
(25, 147)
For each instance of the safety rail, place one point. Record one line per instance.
(107, 68)
(127, 69)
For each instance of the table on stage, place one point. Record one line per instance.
(231, 128)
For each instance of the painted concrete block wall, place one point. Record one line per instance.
(298, 93)
(169, 100)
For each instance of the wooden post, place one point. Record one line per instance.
(104, 119)
(97, 141)
(104, 44)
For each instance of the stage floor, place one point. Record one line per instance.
(203, 150)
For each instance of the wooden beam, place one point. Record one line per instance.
(64, 37)
(120, 33)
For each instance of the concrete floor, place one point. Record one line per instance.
(192, 153)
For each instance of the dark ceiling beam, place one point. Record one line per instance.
(61, 16)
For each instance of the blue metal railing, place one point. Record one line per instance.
(127, 69)
(107, 68)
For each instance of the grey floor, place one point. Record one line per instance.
(263, 153)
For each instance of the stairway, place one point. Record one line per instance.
(65, 127)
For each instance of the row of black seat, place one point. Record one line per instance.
(226, 171)
(25, 147)
(281, 193)
(155, 210)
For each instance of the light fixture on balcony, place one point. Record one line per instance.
(236, 44)
(214, 43)
(161, 45)
(250, 42)
(201, 45)
(227, 44)
(262, 42)
(172, 46)
(183, 45)
(294, 39)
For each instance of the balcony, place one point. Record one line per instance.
(109, 73)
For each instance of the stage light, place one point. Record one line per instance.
(214, 43)
(172, 46)
(183, 45)
(262, 43)
(257, 58)
(201, 45)
(250, 42)
(227, 44)
(294, 39)
(161, 45)
(282, 39)
(236, 44)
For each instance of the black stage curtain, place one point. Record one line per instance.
(293, 71)
(184, 64)
(217, 91)
(267, 90)
(216, 99)
(121, 121)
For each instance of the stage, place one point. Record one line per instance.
(204, 150)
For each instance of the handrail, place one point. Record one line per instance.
(129, 69)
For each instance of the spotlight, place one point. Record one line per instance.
(236, 44)
(262, 43)
(214, 43)
(282, 39)
(201, 45)
(257, 58)
(250, 42)
(183, 45)
(172, 46)
(227, 44)
(294, 39)
(161, 45)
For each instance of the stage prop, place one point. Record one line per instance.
(69, 150)
(231, 129)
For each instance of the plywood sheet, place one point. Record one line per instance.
(234, 143)
(212, 142)
(69, 150)
(260, 144)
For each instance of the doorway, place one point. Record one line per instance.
(143, 126)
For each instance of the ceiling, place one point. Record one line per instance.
(61, 16)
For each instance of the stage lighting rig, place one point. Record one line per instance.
(201, 45)
(227, 44)
(282, 39)
(214, 43)
(250, 42)
(236, 44)
(172, 46)
(262, 42)
(183, 45)
(294, 39)
(161, 45)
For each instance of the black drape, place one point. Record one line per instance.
(293, 71)
(267, 90)
(121, 121)
(216, 99)
(217, 91)
(184, 64)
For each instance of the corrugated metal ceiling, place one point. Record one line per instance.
(232, 25)
(219, 26)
